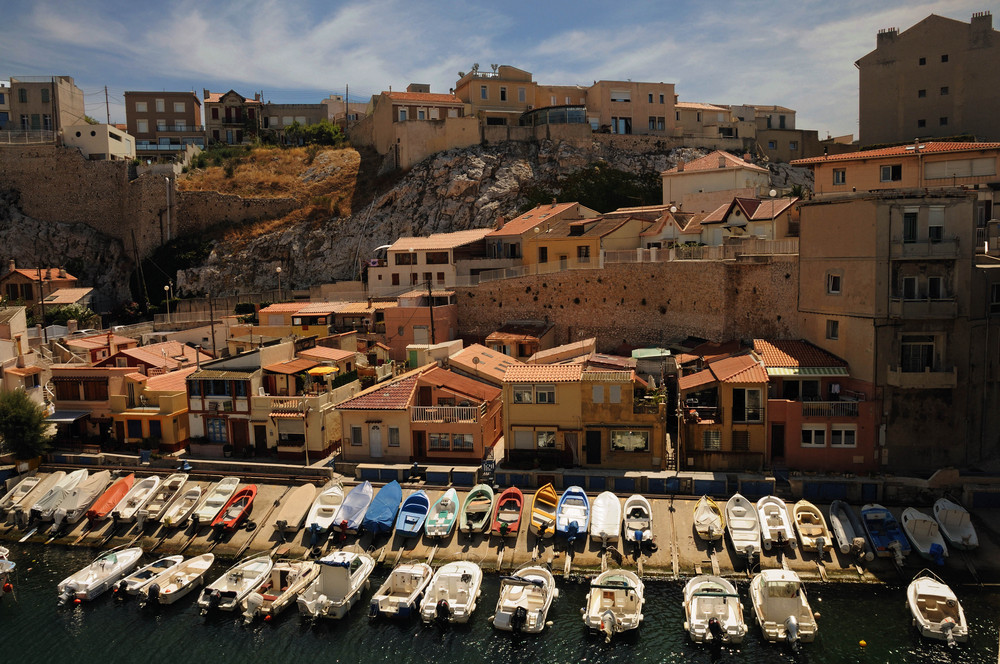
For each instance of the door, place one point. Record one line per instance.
(241, 435)
(260, 438)
(777, 442)
(419, 444)
(120, 431)
(593, 448)
(375, 441)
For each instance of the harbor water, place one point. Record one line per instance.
(35, 629)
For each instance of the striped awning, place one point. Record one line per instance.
(807, 371)
(287, 414)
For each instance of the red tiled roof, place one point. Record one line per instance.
(929, 147)
(48, 274)
(283, 308)
(67, 295)
(737, 369)
(154, 356)
(217, 97)
(453, 382)
(794, 353)
(394, 396)
(324, 353)
(491, 362)
(531, 218)
(710, 162)
(175, 381)
(699, 106)
(544, 373)
(440, 241)
(425, 97)
(520, 332)
(291, 367)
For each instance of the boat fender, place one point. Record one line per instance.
(8, 587)
(373, 610)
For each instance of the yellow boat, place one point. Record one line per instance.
(543, 512)
(708, 519)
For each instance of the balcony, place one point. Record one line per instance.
(829, 409)
(702, 414)
(458, 414)
(180, 129)
(988, 238)
(926, 308)
(942, 378)
(946, 248)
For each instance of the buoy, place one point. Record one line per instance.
(77, 600)
(267, 618)
(862, 643)
(8, 587)
(816, 615)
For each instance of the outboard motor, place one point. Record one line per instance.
(214, 599)
(820, 545)
(792, 631)
(858, 546)
(373, 610)
(608, 624)
(121, 589)
(518, 619)
(153, 594)
(313, 535)
(571, 530)
(947, 625)
(67, 593)
(443, 610)
(716, 631)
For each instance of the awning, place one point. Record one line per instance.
(23, 371)
(285, 414)
(807, 371)
(322, 371)
(67, 416)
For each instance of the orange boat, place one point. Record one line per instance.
(110, 498)
(238, 508)
(507, 517)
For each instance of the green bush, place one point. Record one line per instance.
(24, 431)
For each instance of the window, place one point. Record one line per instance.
(843, 435)
(813, 435)
(793, 145)
(25, 123)
(935, 233)
(36, 121)
(461, 442)
(45, 95)
(943, 121)
(22, 95)
(47, 123)
(891, 173)
(66, 390)
(355, 435)
(434, 114)
(661, 123)
(677, 116)
(614, 394)
(922, 61)
(503, 93)
(439, 441)
(746, 405)
(839, 176)
(630, 441)
(421, 115)
(598, 396)
(935, 288)
(772, 145)
(833, 284)
(440, 277)
(524, 439)
(711, 441)
(944, 90)
(741, 441)
(621, 95)
(160, 105)
(650, 97)
(944, 58)
(452, 112)
(545, 394)
(395, 278)
(521, 95)
(909, 227)
(95, 390)
(140, 107)
(583, 254)
(543, 254)
(832, 330)
(921, 93)
(215, 113)
(178, 107)
(161, 125)
(406, 258)
(428, 276)
(523, 394)
(552, 100)
(652, 122)
(402, 115)
(909, 288)
(921, 123)
(546, 439)
(661, 99)
(799, 390)
(215, 428)
(916, 353)
(483, 92)
(134, 428)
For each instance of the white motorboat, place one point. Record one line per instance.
(214, 500)
(638, 523)
(352, 509)
(713, 610)
(229, 590)
(76, 503)
(293, 509)
(605, 518)
(163, 497)
(99, 575)
(924, 534)
(937, 613)
(171, 585)
(14, 497)
(811, 527)
(744, 528)
(453, 593)
(443, 514)
(325, 508)
(178, 512)
(287, 580)
(19, 513)
(45, 508)
(775, 526)
(614, 603)
(525, 598)
(781, 607)
(956, 525)
(136, 581)
(848, 531)
(7, 567)
(398, 597)
(128, 509)
(343, 576)
(708, 519)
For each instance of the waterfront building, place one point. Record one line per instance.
(152, 410)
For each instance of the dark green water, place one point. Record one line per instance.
(34, 629)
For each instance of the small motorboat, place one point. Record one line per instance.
(46, 506)
(293, 509)
(399, 595)
(128, 509)
(215, 499)
(13, 498)
(179, 511)
(848, 531)
(937, 613)
(104, 505)
(99, 575)
(441, 519)
(343, 576)
(925, 535)
(781, 607)
(7, 567)
(324, 510)
(19, 514)
(525, 598)
(744, 528)
(775, 526)
(165, 494)
(453, 593)
(606, 518)
(477, 509)
(381, 513)
(229, 590)
(955, 525)
(171, 585)
(638, 524)
(713, 611)
(353, 508)
(884, 532)
(79, 500)
(614, 603)
(507, 516)
(412, 514)
(543, 512)
(811, 527)
(708, 519)
(237, 509)
(280, 589)
(136, 581)
(573, 513)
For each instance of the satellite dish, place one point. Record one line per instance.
(673, 208)
(475, 360)
(537, 229)
(773, 193)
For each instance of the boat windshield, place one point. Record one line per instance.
(782, 589)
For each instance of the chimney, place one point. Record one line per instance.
(981, 26)
(722, 160)
(48, 273)
(500, 222)
(746, 157)
(62, 273)
(256, 96)
(553, 201)
(20, 353)
(886, 36)
(916, 145)
(72, 326)
(206, 92)
(11, 265)
(680, 165)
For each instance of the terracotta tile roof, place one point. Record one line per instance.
(794, 353)
(100, 341)
(320, 308)
(291, 366)
(531, 218)
(217, 97)
(576, 349)
(440, 240)
(175, 381)
(490, 363)
(520, 332)
(424, 97)
(710, 351)
(929, 147)
(323, 353)
(442, 378)
(68, 295)
(394, 396)
(162, 355)
(364, 308)
(710, 162)
(737, 369)
(48, 273)
(283, 308)
(595, 227)
(604, 361)
(544, 373)
(24, 371)
(716, 216)
(753, 209)
(417, 292)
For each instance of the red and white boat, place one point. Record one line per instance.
(237, 509)
(109, 499)
(507, 517)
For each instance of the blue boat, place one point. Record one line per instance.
(884, 532)
(382, 512)
(412, 514)
(573, 513)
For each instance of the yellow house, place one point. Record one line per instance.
(153, 408)
(542, 413)
(577, 244)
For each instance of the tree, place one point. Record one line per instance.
(24, 430)
(58, 315)
(90, 120)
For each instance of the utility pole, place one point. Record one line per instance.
(211, 316)
(107, 106)
(347, 105)
(430, 305)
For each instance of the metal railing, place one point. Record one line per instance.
(27, 137)
(829, 409)
(444, 413)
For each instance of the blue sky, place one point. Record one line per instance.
(798, 53)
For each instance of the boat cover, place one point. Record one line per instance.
(382, 512)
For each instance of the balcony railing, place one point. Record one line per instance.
(829, 409)
(463, 414)
(192, 129)
(944, 248)
(26, 137)
(988, 238)
(926, 308)
(928, 379)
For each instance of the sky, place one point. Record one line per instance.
(794, 53)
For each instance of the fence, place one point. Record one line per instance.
(27, 137)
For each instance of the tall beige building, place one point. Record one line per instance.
(45, 103)
(938, 78)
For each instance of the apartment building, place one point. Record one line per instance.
(230, 117)
(440, 260)
(5, 105)
(46, 104)
(703, 184)
(163, 123)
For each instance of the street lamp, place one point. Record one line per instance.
(166, 294)
(278, 270)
